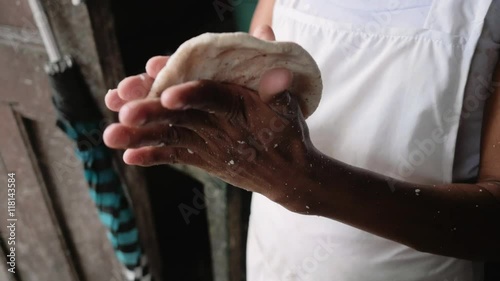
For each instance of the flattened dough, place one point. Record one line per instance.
(242, 59)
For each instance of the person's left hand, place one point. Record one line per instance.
(224, 129)
(253, 140)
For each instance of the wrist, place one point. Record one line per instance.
(304, 188)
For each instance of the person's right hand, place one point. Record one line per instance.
(137, 86)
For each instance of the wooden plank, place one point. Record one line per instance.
(217, 215)
(4, 274)
(38, 237)
(108, 51)
(234, 225)
(15, 37)
(16, 13)
(4, 247)
(25, 84)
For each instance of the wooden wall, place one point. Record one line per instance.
(59, 236)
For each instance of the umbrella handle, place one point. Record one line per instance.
(43, 24)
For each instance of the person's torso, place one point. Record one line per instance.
(394, 75)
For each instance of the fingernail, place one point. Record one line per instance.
(107, 93)
(180, 105)
(177, 105)
(141, 121)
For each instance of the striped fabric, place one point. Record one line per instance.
(107, 192)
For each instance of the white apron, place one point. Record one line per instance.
(391, 104)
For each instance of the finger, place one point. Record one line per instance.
(120, 136)
(205, 95)
(274, 82)
(135, 87)
(150, 111)
(264, 32)
(113, 101)
(155, 64)
(150, 156)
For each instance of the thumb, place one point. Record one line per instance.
(274, 82)
(264, 32)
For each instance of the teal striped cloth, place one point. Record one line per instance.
(107, 193)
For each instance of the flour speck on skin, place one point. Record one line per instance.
(417, 192)
(231, 162)
(190, 151)
(170, 125)
(276, 145)
(307, 207)
(241, 142)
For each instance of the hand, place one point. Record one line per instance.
(136, 87)
(225, 129)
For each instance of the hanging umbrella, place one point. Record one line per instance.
(80, 119)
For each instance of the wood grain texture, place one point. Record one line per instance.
(24, 84)
(39, 244)
(4, 274)
(110, 62)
